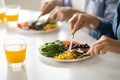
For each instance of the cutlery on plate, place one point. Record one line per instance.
(70, 46)
(85, 55)
(36, 20)
(34, 23)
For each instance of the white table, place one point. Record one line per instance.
(103, 67)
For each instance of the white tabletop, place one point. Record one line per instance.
(103, 67)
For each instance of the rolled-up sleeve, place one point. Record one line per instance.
(104, 28)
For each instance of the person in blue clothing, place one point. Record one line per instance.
(104, 9)
(108, 33)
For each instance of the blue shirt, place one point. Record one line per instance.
(105, 10)
(111, 29)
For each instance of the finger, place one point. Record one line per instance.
(73, 20)
(97, 46)
(93, 50)
(104, 36)
(79, 24)
(90, 51)
(100, 47)
(54, 13)
(45, 8)
(42, 4)
(100, 41)
(103, 50)
(60, 16)
(97, 49)
(80, 20)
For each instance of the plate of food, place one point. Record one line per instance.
(58, 51)
(41, 26)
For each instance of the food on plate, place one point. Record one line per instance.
(40, 25)
(52, 48)
(58, 50)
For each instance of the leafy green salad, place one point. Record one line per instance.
(52, 48)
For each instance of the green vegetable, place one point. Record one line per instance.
(79, 52)
(52, 48)
(51, 22)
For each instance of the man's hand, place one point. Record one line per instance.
(48, 5)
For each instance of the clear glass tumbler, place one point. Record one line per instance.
(15, 51)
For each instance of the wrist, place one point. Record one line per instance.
(60, 2)
(57, 2)
(94, 22)
(116, 46)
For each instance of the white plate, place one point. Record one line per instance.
(34, 31)
(51, 59)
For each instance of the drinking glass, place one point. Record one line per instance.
(2, 11)
(12, 14)
(15, 51)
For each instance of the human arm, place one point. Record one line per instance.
(105, 14)
(104, 10)
(48, 5)
(91, 22)
(103, 45)
(104, 28)
(80, 20)
(62, 13)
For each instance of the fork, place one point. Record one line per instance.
(36, 20)
(70, 46)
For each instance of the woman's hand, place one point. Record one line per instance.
(80, 20)
(103, 45)
(48, 5)
(62, 13)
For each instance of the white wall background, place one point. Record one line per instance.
(26, 4)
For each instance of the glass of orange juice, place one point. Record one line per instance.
(12, 14)
(2, 15)
(2, 11)
(15, 51)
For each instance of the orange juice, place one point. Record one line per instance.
(15, 53)
(11, 17)
(2, 15)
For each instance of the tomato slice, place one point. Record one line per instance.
(23, 25)
(19, 25)
(75, 42)
(68, 42)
